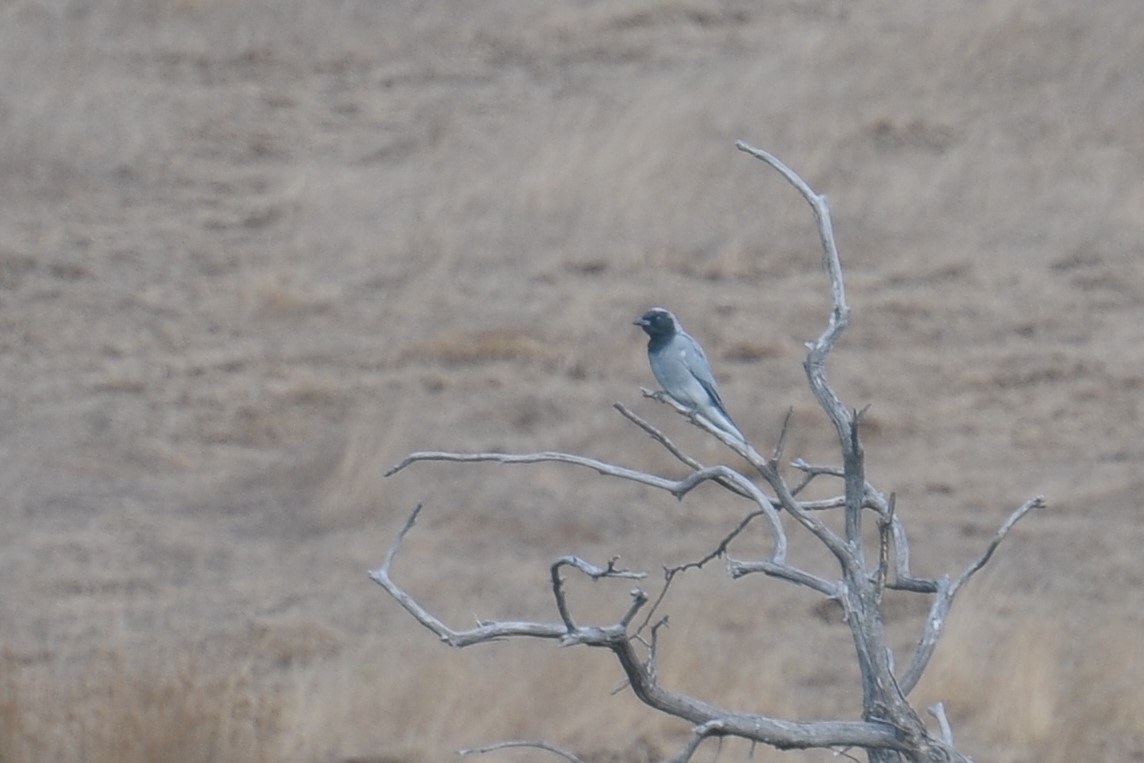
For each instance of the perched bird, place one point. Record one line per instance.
(682, 369)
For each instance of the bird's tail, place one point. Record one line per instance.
(722, 420)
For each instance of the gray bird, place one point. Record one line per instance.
(682, 369)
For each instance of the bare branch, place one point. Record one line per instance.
(787, 572)
(881, 698)
(484, 632)
(656, 435)
(490, 631)
(678, 488)
(689, 483)
(639, 598)
(690, 414)
(1037, 502)
(854, 469)
(780, 446)
(840, 315)
(698, 735)
(825, 535)
(653, 649)
(770, 473)
(943, 599)
(802, 465)
(591, 571)
(812, 473)
(935, 625)
(537, 744)
(937, 710)
(904, 580)
(885, 532)
(744, 449)
(719, 550)
(775, 732)
(610, 470)
(671, 447)
(775, 566)
(818, 351)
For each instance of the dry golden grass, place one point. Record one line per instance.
(1043, 688)
(252, 252)
(109, 709)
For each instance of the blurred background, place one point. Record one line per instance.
(253, 252)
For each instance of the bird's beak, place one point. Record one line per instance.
(639, 322)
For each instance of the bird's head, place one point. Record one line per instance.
(658, 322)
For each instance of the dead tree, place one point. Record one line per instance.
(890, 728)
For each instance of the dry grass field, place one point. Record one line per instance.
(253, 252)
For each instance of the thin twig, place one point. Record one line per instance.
(678, 488)
(904, 579)
(1037, 502)
(656, 435)
(485, 631)
(737, 569)
(742, 447)
(653, 649)
(698, 735)
(670, 572)
(885, 533)
(639, 598)
(768, 510)
(780, 446)
(670, 446)
(772, 731)
(937, 710)
(947, 590)
(854, 468)
(610, 470)
(770, 473)
(534, 743)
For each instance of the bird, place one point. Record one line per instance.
(681, 368)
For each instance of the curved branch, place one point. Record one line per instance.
(1036, 502)
(817, 351)
(781, 734)
(904, 579)
(768, 469)
(609, 470)
(479, 635)
(592, 571)
(698, 735)
(671, 572)
(716, 473)
(937, 710)
(678, 488)
(670, 446)
(787, 572)
(536, 744)
(778, 733)
(947, 590)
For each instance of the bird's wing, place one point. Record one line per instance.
(699, 367)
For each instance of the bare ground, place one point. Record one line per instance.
(253, 253)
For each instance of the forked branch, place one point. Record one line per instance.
(772, 731)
